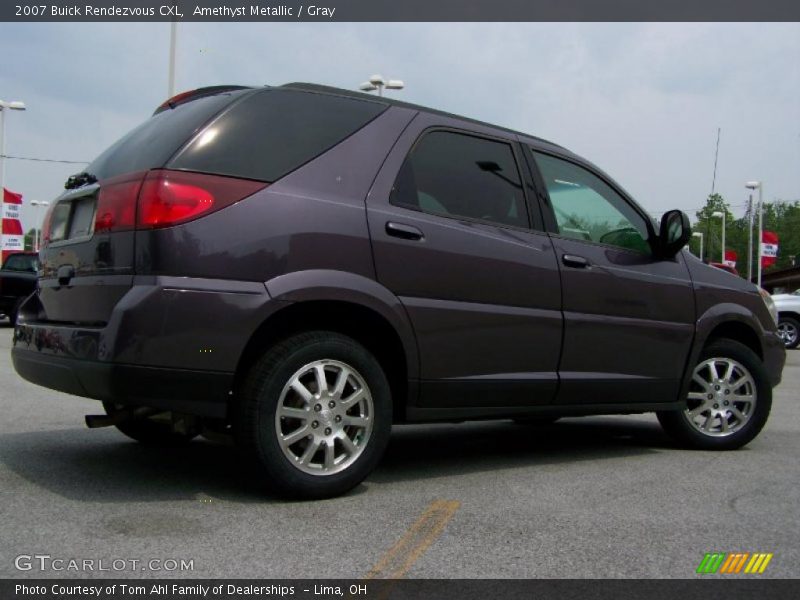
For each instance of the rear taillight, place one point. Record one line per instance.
(163, 198)
(116, 203)
(172, 197)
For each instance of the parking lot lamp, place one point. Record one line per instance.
(376, 82)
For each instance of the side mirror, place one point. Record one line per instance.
(674, 234)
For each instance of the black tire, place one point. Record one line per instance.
(255, 423)
(149, 431)
(536, 421)
(792, 322)
(677, 425)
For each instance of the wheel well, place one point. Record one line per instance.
(739, 332)
(358, 322)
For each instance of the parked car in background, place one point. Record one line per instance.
(305, 266)
(788, 306)
(17, 282)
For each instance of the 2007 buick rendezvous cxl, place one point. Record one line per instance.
(305, 266)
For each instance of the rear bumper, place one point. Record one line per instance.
(201, 393)
(171, 343)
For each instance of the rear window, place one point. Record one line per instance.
(273, 132)
(153, 142)
(22, 262)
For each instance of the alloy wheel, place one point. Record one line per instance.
(324, 417)
(722, 397)
(788, 333)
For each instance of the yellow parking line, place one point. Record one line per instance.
(399, 559)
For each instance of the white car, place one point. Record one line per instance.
(788, 306)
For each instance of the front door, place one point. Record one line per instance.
(628, 315)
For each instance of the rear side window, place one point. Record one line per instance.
(153, 142)
(273, 132)
(459, 175)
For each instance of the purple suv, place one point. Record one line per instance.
(305, 266)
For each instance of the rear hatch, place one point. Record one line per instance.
(87, 258)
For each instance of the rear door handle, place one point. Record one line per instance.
(402, 231)
(578, 262)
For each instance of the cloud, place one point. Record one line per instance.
(643, 101)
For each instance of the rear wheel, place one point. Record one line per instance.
(728, 403)
(156, 430)
(315, 413)
(789, 330)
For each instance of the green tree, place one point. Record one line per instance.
(30, 239)
(711, 227)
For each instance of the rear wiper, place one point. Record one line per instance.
(80, 179)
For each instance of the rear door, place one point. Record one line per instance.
(628, 316)
(453, 238)
(87, 268)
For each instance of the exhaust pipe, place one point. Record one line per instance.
(96, 421)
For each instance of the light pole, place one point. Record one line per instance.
(37, 242)
(16, 105)
(751, 185)
(750, 238)
(720, 213)
(697, 234)
(173, 34)
(376, 82)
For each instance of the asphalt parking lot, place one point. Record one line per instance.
(593, 497)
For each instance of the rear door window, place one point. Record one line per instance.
(275, 131)
(462, 176)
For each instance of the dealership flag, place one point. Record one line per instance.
(11, 237)
(769, 248)
(731, 257)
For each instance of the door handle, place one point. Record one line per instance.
(578, 262)
(404, 232)
(65, 274)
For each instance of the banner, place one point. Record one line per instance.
(730, 258)
(12, 238)
(769, 248)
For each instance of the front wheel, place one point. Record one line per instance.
(315, 413)
(728, 403)
(789, 330)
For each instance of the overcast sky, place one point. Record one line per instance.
(643, 101)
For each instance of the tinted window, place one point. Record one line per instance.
(587, 208)
(272, 132)
(153, 142)
(21, 262)
(458, 175)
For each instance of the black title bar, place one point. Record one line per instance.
(399, 10)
